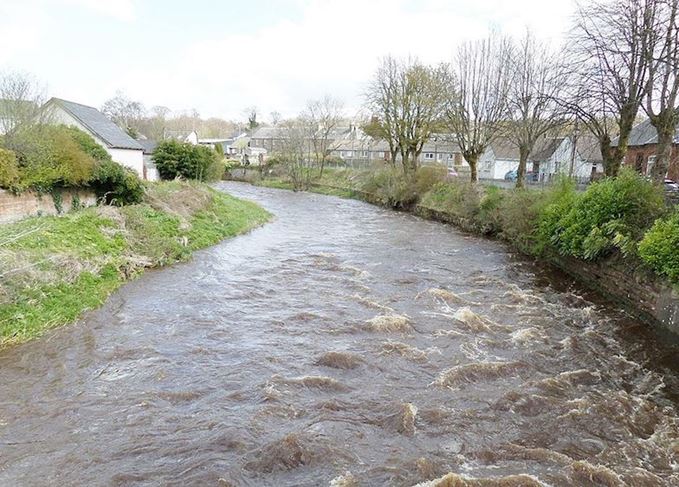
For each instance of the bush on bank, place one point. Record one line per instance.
(52, 269)
(46, 158)
(622, 215)
(176, 159)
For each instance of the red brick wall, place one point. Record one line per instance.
(643, 152)
(16, 207)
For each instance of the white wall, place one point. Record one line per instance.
(151, 169)
(132, 158)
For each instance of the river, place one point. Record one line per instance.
(345, 344)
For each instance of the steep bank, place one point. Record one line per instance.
(625, 280)
(55, 268)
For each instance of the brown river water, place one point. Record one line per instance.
(344, 345)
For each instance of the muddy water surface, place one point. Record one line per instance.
(344, 345)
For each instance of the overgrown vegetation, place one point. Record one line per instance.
(52, 269)
(624, 215)
(176, 159)
(47, 158)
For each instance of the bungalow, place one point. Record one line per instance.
(550, 156)
(642, 148)
(122, 148)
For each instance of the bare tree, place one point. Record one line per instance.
(610, 71)
(382, 103)
(478, 98)
(533, 110)
(324, 116)
(276, 117)
(126, 113)
(252, 113)
(21, 100)
(408, 100)
(296, 152)
(662, 96)
(422, 94)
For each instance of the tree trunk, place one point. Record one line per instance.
(473, 160)
(523, 161)
(666, 127)
(322, 166)
(609, 157)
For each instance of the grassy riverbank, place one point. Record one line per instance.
(55, 268)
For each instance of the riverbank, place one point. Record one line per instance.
(56, 268)
(598, 237)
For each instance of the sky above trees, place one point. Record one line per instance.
(221, 57)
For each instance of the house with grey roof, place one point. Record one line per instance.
(642, 148)
(122, 148)
(550, 156)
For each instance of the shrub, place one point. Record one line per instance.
(611, 214)
(49, 157)
(458, 198)
(426, 177)
(520, 213)
(391, 188)
(115, 184)
(489, 217)
(88, 144)
(659, 249)
(177, 159)
(9, 170)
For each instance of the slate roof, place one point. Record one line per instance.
(98, 124)
(149, 145)
(644, 133)
(270, 133)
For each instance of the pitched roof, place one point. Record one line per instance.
(589, 148)
(270, 133)
(149, 145)
(644, 133)
(98, 124)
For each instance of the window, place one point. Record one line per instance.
(649, 165)
(365, 154)
(429, 156)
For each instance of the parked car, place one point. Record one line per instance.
(452, 173)
(513, 175)
(671, 186)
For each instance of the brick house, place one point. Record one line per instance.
(641, 152)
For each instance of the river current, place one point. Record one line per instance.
(344, 345)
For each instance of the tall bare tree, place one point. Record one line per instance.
(407, 100)
(610, 72)
(21, 100)
(382, 103)
(533, 108)
(296, 151)
(324, 116)
(478, 98)
(422, 95)
(662, 96)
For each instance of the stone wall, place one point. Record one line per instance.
(16, 207)
(643, 294)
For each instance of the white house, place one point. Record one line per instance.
(550, 156)
(122, 148)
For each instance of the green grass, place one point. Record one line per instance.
(55, 268)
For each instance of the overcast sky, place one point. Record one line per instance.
(221, 56)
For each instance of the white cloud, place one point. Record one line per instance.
(118, 9)
(333, 48)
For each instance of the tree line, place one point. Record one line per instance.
(621, 58)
